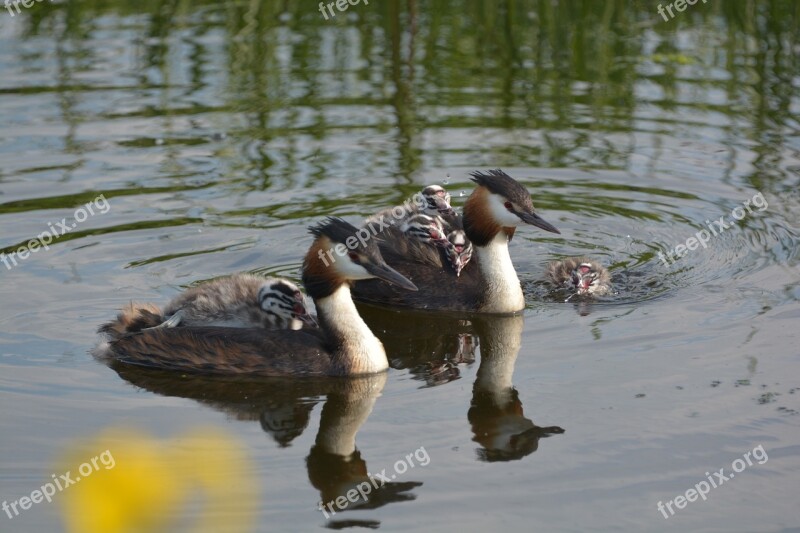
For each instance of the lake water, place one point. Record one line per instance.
(206, 137)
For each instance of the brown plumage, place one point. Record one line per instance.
(343, 345)
(132, 318)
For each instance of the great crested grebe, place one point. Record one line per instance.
(489, 283)
(343, 346)
(433, 200)
(240, 300)
(582, 274)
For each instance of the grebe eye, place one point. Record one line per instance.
(353, 257)
(508, 206)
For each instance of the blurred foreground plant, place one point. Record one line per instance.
(198, 481)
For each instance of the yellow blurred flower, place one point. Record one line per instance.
(158, 485)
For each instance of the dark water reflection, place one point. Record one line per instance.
(219, 131)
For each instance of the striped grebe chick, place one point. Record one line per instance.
(342, 346)
(488, 283)
(459, 250)
(240, 300)
(446, 233)
(581, 274)
(425, 228)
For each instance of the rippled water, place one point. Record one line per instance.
(206, 137)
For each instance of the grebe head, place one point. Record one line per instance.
(284, 300)
(459, 250)
(437, 201)
(499, 202)
(586, 279)
(342, 253)
(425, 228)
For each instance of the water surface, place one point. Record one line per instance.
(217, 132)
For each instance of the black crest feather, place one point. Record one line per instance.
(498, 182)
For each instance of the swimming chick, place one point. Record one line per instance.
(342, 346)
(488, 283)
(582, 274)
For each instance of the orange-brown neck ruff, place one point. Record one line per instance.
(320, 277)
(479, 224)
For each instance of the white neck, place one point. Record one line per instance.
(503, 291)
(358, 350)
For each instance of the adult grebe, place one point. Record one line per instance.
(240, 300)
(582, 274)
(343, 345)
(489, 283)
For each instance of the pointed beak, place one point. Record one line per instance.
(535, 220)
(301, 313)
(443, 206)
(390, 275)
(308, 320)
(581, 284)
